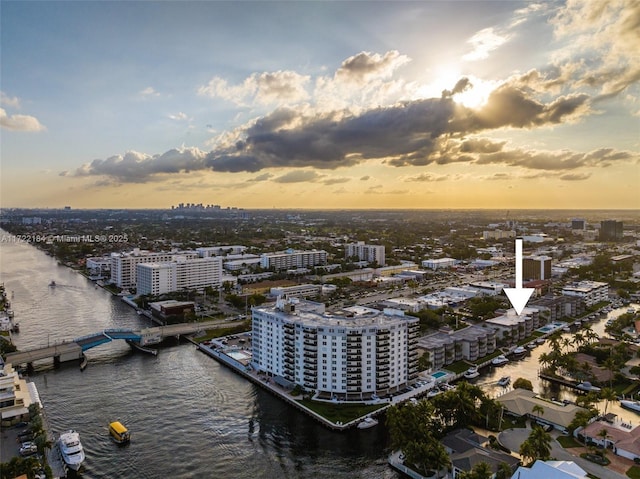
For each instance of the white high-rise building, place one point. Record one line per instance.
(366, 252)
(179, 274)
(354, 356)
(292, 259)
(123, 265)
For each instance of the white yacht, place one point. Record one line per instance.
(71, 449)
(630, 404)
(471, 373)
(367, 422)
(499, 360)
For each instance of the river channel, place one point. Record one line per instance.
(189, 416)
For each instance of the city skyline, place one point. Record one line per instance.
(321, 104)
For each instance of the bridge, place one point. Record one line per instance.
(74, 350)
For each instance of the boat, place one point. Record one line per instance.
(504, 381)
(52, 284)
(630, 404)
(532, 345)
(71, 449)
(367, 422)
(541, 340)
(119, 433)
(587, 386)
(471, 373)
(520, 351)
(434, 392)
(499, 360)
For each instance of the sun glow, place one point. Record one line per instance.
(445, 78)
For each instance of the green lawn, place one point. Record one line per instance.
(216, 333)
(634, 472)
(340, 412)
(568, 441)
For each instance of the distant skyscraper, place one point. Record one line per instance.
(578, 224)
(610, 230)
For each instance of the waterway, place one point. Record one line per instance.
(189, 415)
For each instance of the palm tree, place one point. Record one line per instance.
(611, 366)
(537, 445)
(504, 471)
(608, 394)
(538, 410)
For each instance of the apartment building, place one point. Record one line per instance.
(179, 274)
(123, 265)
(356, 355)
(292, 259)
(591, 292)
(447, 346)
(515, 327)
(366, 252)
(297, 291)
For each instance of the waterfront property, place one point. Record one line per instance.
(622, 437)
(466, 448)
(522, 402)
(471, 343)
(16, 395)
(357, 355)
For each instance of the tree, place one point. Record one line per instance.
(537, 445)
(522, 383)
(481, 470)
(504, 471)
(538, 410)
(608, 394)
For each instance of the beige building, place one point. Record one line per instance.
(16, 395)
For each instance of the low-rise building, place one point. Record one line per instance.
(551, 470)
(622, 437)
(591, 292)
(466, 448)
(516, 327)
(15, 396)
(522, 402)
(447, 346)
(439, 263)
(297, 291)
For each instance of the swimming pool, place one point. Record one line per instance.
(552, 326)
(438, 374)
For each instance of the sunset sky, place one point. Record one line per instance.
(421, 104)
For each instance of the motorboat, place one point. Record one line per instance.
(52, 284)
(520, 351)
(499, 360)
(504, 381)
(587, 386)
(119, 433)
(471, 373)
(541, 340)
(367, 422)
(630, 404)
(71, 449)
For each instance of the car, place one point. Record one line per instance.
(28, 448)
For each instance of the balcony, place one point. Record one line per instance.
(310, 362)
(382, 356)
(383, 367)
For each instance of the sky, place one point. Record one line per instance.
(340, 105)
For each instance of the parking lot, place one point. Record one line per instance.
(10, 445)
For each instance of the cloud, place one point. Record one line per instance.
(135, 167)
(298, 176)
(263, 177)
(365, 178)
(365, 66)
(19, 122)
(575, 176)
(149, 92)
(336, 180)
(9, 101)
(179, 116)
(264, 88)
(484, 42)
(427, 177)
